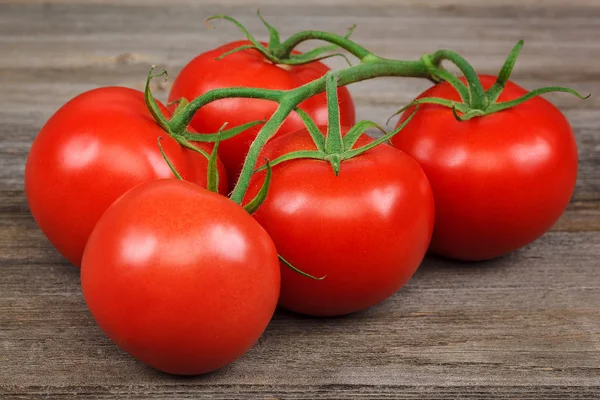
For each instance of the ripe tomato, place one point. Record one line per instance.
(366, 230)
(499, 181)
(92, 150)
(181, 278)
(251, 69)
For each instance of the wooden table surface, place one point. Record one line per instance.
(523, 326)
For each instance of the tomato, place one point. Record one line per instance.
(365, 230)
(92, 150)
(499, 181)
(181, 278)
(251, 69)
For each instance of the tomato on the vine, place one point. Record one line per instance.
(366, 230)
(500, 180)
(92, 150)
(181, 278)
(249, 68)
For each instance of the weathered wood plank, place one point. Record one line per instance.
(523, 326)
(176, 392)
(515, 319)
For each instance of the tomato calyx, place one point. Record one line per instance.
(280, 53)
(212, 178)
(475, 101)
(335, 148)
(181, 134)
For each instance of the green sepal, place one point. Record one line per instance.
(224, 135)
(307, 58)
(213, 172)
(336, 162)
(261, 196)
(456, 83)
(257, 45)
(508, 104)
(151, 101)
(237, 49)
(314, 131)
(353, 153)
(190, 146)
(472, 113)
(432, 100)
(273, 33)
(169, 163)
(439, 74)
(160, 118)
(289, 265)
(181, 104)
(494, 92)
(477, 97)
(295, 155)
(354, 133)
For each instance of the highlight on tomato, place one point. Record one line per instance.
(181, 278)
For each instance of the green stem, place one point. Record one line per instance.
(169, 163)
(180, 121)
(440, 75)
(266, 132)
(477, 94)
(288, 101)
(357, 73)
(333, 140)
(212, 181)
(286, 48)
(475, 101)
(261, 196)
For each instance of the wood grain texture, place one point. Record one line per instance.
(524, 326)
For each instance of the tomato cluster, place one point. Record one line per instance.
(185, 279)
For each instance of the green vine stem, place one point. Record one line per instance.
(475, 100)
(334, 148)
(181, 135)
(285, 49)
(288, 102)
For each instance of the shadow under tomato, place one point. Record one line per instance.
(282, 313)
(433, 260)
(174, 378)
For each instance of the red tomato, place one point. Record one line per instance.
(367, 229)
(92, 150)
(251, 69)
(181, 278)
(499, 181)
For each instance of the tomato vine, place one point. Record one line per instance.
(475, 101)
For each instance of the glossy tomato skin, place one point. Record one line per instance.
(92, 150)
(250, 69)
(181, 278)
(499, 181)
(366, 230)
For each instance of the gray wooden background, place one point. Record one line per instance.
(523, 326)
